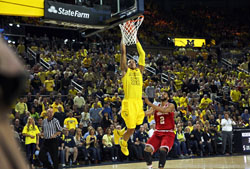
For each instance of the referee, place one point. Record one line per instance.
(51, 129)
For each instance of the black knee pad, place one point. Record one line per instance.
(11, 87)
(162, 160)
(148, 158)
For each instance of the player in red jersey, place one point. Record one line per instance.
(163, 137)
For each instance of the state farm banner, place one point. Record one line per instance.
(75, 13)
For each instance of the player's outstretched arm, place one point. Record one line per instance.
(141, 56)
(123, 60)
(149, 112)
(166, 110)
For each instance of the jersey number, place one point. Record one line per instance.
(162, 120)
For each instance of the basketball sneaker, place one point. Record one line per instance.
(118, 134)
(124, 147)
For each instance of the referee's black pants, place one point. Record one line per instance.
(51, 146)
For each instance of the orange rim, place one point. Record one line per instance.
(136, 20)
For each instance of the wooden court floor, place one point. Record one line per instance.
(232, 162)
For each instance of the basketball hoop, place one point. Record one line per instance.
(129, 30)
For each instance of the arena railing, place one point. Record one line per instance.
(47, 66)
(41, 61)
(165, 77)
(229, 64)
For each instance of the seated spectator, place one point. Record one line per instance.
(37, 106)
(181, 142)
(197, 142)
(108, 147)
(187, 135)
(235, 95)
(245, 116)
(49, 85)
(61, 147)
(106, 121)
(91, 145)
(85, 118)
(35, 84)
(18, 128)
(190, 126)
(34, 114)
(140, 139)
(207, 140)
(205, 102)
(70, 147)
(76, 113)
(71, 123)
(99, 103)
(21, 107)
(79, 101)
(214, 138)
(57, 104)
(80, 144)
(241, 123)
(108, 110)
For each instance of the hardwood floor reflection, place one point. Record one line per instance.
(231, 162)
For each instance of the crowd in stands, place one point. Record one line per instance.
(202, 89)
(161, 26)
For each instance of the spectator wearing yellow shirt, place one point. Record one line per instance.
(88, 77)
(116, 98)
(117, 57)
(108, 144)
(235, 95)
(21, 107)
(91, 145)
(34, 47)
(71, 122)
(99, 104)
(79, 101)
(109, 88)
(21, 48)
(57, 104)
(42, 75)
(205, 102)
(49, 85)
(244, 102)
(176, 98)
(190, 126)
(178, 83)
(72, 91)
(184, 100)
(107, 98)
(50, 72)
(87, 61)
(30, 132)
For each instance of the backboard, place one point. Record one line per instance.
(91, 19)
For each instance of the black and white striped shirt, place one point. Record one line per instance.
(51, 127)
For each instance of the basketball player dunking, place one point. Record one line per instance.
(132, 104)
(164, 135)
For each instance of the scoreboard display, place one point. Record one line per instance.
(245, 137)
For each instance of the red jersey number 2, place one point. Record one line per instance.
(162, 120)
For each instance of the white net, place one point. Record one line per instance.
(129, 30)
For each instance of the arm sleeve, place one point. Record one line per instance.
(24, 130)
(223, 122)
(88, 139)
(141, 54)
